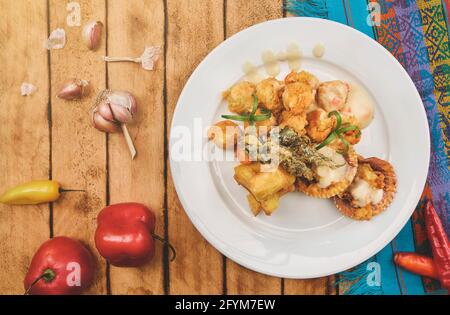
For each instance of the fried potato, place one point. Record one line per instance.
(224, 134)
(265, 187)
(270, 204)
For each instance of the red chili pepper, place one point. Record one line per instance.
(416, 263)
(60, 266)
(440, 244)
(125, 234)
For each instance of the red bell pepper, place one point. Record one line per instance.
(440, 244)
(125, 234)
(60, 266)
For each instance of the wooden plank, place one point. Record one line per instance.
(24, 131)
(78, 150)
(194, 28)
(244, 13)
(319, 286)
(241, 14)
(132, 25)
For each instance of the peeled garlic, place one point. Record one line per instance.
(73, 89)
(56, 40)
(92, 33)
(27, 89)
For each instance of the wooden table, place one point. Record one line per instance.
(46, 137)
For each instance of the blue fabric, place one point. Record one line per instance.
(394, 280)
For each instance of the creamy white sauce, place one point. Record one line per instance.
(318, 50)
(359, 104)
(328, 175)
(251, 73)
(270, 63)
(293, 56)
(363, 193)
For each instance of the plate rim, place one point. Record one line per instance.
(214, 241)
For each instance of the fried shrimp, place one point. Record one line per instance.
(296, 122)
(240, 97)
(319, 125)
(332, 95)
(352, 136)
(269, 93)
(297, 97)
(302, 77)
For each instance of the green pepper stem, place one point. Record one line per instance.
(162, 240)
(48, 275)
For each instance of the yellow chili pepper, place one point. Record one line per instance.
(32, 193)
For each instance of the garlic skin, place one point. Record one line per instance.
(92, 33)
(150, 56)
(112, 109)
(27, 89)
(56, 40)
(73, 89)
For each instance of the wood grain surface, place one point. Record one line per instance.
(194, 28)
(24, 134)
(46, 137)
(132, 25)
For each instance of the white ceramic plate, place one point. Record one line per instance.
(305, 237)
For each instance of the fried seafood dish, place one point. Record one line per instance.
(371, 192)
(298, 134)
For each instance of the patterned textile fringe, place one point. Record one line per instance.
(356, 281)
(311, 8)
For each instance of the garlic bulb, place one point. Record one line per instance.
(112, 111)
(115, 107)
(92, 34)
(73, 89)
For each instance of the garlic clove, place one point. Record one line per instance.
(92, 34)
(123, 105)
(105, 110)
(102, 124)
(73, 89)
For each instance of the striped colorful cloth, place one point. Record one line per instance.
(416, 33)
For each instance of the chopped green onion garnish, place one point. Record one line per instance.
(338, 131)
(236, 117)
(327, 141)
(346, 144)
(251, 118)
(338, 118)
